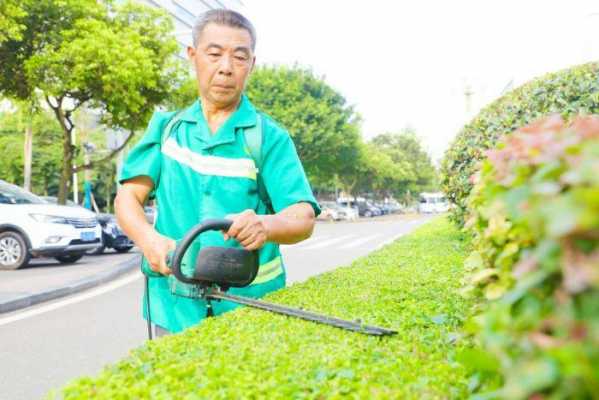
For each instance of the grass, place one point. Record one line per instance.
(410, 285)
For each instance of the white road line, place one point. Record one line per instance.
(327, 243)
(360, 241)
(393, 239)
(72, 300)
(305, 242)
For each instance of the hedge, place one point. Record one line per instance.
(534, 212)
(411, 285)
(567, 92)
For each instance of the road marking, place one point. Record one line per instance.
(305, 242)
(72, 300)
(411, 225)
(327, 242)
(360, 241)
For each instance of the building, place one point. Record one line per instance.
(184, 13)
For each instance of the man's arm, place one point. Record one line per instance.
(290, 225)
(129, 211)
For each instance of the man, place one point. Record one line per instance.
(203, 169)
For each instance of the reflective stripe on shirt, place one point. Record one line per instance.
(210, 165)
(268, 271)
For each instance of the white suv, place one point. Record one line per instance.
(31, 227)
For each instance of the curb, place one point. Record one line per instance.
(75, 287)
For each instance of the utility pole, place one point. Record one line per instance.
(28, 145)
(75, 184)
(468, 93)
(28, 149)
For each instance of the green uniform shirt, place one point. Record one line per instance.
(198, 175)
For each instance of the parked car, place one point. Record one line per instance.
(31, 227)
(349, 205)
(375, 209)
(150, 213)
(329, 211)
(112, 236)
(367, 210)
(338, 212)
(432, 203)
(392, 208)
(54, 200)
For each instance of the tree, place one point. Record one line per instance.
(115, 59)
(405, 149)
(47, 157)
(322, 125)
(10, 14)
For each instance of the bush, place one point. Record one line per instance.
(535, 219)
(568, 92)
(410, 286)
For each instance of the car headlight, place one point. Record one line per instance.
(48, 219)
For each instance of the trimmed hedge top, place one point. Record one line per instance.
(567, 92)
(410, 286)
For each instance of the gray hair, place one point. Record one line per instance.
(224, 17)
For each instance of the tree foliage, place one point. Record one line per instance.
(116, 59)
(47, 150)
(10, 15)
(323, 126)
(414, 170)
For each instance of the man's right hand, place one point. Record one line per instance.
(156, 250)
(130, 215)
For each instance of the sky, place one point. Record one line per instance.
(408, 63)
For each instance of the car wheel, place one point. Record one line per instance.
(123, 249)
(368, 214)
(97, 250)
(68, 258)
(13, 251)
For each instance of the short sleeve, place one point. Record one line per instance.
(282, 171)
(145, 158)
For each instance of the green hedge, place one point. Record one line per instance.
(535, 219)
(568, 92)
(411, 285)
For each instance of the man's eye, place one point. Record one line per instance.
(213, 54)
(241, 58)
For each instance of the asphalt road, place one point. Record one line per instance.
(44, 347)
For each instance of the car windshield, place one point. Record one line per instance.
(10, 194)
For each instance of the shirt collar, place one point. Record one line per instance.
(243, 117)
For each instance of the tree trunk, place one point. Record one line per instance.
(67, 149)
(67, 167)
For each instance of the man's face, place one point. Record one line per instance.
(223, 60)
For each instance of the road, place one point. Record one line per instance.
(44, 347)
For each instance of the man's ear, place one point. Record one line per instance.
(191, 52)
(253, 64)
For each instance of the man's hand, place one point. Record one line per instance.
(248, 229)
(156, 249)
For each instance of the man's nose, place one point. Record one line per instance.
(226, 66)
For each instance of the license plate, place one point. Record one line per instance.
(88, 236)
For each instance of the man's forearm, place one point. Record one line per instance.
(291, 225)
(130, 216)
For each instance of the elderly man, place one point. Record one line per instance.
(202, 162)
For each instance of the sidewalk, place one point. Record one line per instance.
(46, 280)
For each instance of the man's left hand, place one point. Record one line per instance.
(249, 229)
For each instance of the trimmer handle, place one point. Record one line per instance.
(207, 225)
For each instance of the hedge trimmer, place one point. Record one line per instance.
(219, 268)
